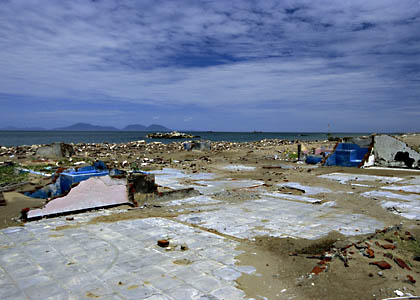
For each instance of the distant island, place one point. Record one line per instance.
(90, 127)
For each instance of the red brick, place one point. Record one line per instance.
(383, 265)
(317, 269)
(370, 253)
(388, 246)
(411, 279)
(163, 243)
(401, 263)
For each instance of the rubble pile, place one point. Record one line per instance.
(131, 148)
(170, 135)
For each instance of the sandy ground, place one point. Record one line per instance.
(286, 264)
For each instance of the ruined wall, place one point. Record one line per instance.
(55, 150)
(391, 152)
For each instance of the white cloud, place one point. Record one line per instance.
(300, 53)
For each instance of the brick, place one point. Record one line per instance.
(369, 253)
(163, 243)
(411, 279)
(388, 246)
(383, 265)
(317, 269)
(401, 263)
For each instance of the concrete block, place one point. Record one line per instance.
(391, 152)
(55, 150)
(140, 183)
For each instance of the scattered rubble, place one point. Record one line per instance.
(170, 135)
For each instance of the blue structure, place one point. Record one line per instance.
(346, 155)
(69, 177)
(66, 179)
(313, 160)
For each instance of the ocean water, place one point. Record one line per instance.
(17, 138)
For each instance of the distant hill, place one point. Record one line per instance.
(138, 127)
(90, 127)
(135, 127)
(86, 127)
(12, 128)
(155, 127)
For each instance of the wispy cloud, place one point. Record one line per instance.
(217, 57)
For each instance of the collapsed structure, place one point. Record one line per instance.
(89, 187)
(376, 150)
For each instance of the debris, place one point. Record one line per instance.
(55, 150)
(163, 243)
(170, 135)
(92, 193)
(401, 263)
(2, 200)
(184, 247)
(388, 246)
(369, 253)
(411, 279)
(346, 155)
(383, 265)
(196, 145)
(392, 152)
(317, 269)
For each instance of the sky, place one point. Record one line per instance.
(212, 65)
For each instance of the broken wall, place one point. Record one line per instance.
(55, 150)
(391, 152)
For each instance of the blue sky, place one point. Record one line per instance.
(212, 65)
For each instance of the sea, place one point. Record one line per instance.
(19, 138)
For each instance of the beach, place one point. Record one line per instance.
(275, 227)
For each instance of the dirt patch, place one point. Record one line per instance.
(15, 202)
(286, 267)
(183, 262)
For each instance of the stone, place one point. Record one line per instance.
(383, 265)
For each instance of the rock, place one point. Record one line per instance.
(383, 265)
(401, 263)
(184, 247)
